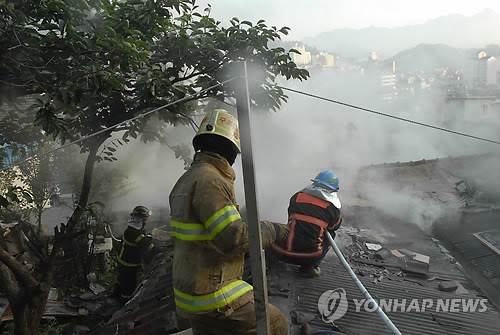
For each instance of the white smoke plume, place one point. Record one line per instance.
(308, 136)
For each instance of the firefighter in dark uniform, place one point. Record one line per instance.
(136, 247)
(312, 212)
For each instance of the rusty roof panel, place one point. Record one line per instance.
(442, 267)
(152, 309)
(308, 292)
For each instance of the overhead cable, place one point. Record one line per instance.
(192, 123)
(388, 115)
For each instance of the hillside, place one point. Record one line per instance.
(427, 57)
(457, 31)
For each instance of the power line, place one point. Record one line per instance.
(388, 115)
(191, 122)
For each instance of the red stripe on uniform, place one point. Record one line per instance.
(309, 199)
(291, 234)
(294, 254)
(309, 219)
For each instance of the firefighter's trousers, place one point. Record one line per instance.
(241, 322)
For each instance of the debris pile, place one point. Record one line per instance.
(380, 256)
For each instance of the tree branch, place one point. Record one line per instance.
(8, 285)
(21, 274)
(199, 73)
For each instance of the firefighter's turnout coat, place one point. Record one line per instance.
(136, 248)
(210, 239)
(310, 213)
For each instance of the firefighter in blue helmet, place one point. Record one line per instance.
(312, 212)
(136, 247)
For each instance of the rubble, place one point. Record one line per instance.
(95, 287)
(397, 253)
(452, 286)
(407, 252)
(370, 236)
(448, 286)
(377, 254)
(418, 282)
(383, 254)
(415, 267)
(421, 258)
(4, 304)
(373, 246)
(301, 318)
(53, 295)
(278, 291)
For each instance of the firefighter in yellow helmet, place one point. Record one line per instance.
(210, 238)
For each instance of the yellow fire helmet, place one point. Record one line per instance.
(220, 122)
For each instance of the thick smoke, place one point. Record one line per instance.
(309, 135)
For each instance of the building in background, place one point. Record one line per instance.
(487, 70)
(304, 58)
(323, 60)
(388, 82)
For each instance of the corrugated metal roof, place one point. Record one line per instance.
(482, 263)
(334, 276)
(152, 309)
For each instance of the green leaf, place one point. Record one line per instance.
(131, 57)
(113, 82)
(3, 201)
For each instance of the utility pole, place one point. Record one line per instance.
(257, 258)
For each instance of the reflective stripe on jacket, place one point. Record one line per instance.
(135, 246)
(219, 298)
(207, 230)
(308, 217)
(209, 238)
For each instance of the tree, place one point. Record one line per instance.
(97, 64)
(38, 176)
(25, 189)
(21, 279)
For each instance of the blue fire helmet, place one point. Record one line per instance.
(329, 179)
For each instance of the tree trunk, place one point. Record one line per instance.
(28, 313)
(74, 243)
(39, 211)
(27, 296)
(86, 184)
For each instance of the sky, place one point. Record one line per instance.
(308, 18)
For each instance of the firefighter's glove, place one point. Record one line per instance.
(276, 231)
(267, 233)
(281, 231)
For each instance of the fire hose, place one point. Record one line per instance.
(361, 287)
(110, 231)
